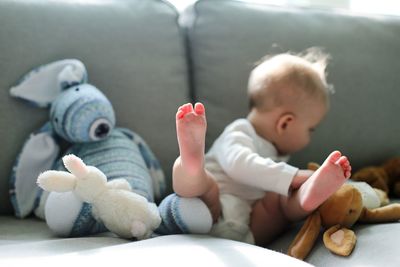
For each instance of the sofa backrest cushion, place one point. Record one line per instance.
(226, 38)
(133, 50)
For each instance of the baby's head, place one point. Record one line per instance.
(289, 96)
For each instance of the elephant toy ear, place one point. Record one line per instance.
(43, 84)
(38, 155)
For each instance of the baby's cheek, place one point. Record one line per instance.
(304, 142)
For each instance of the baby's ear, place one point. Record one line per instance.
(43, 84)
(284, 122)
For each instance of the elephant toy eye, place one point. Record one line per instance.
(56, 120)
(100, 129)
(77, 89)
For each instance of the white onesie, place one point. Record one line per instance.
(244, 166)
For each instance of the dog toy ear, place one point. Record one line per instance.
(305, 239)
(339, 240)
(43, 84)
(38, 154)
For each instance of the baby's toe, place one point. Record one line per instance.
(334, 156)
(187, 108)
(343, 161)
(199, 108)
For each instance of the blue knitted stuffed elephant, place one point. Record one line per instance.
(81, 122)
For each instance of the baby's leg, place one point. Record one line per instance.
(272, 214)
(190, 179)
(267, 219)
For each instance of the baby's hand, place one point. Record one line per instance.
(300, 177)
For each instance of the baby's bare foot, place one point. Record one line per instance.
(191, 130)
(325, 181)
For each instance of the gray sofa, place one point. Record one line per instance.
(148, 60)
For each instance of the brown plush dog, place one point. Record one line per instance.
(385, 177)
(337, 214)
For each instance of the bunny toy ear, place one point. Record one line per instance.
(75, 165)
(43, 84)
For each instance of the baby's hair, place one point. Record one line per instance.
(305, 71)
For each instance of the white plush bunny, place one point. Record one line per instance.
(122, 211)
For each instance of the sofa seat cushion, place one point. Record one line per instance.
(174, 250)
(32, 238)
(377, 245)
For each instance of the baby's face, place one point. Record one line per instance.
(298, 133)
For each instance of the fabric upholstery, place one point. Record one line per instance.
(227, 37)
(133, 51)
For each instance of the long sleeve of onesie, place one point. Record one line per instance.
(245, 160)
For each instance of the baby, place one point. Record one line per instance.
(250, 190)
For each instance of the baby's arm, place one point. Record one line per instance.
(239, 158)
